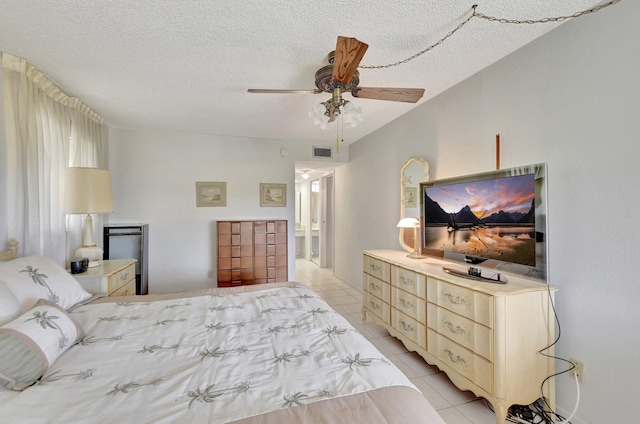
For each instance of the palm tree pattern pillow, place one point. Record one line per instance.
(30, 344)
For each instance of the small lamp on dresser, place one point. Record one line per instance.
(415, 224)
(87, 191)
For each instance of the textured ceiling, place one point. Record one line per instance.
(186, 65)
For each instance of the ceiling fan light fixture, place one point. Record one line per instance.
(336, 107)
(320, 115)
(352, 115)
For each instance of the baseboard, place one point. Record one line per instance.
(574, 420)
(347, 282)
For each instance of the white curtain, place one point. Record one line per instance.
(46, 131)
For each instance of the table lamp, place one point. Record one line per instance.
(415, 224)
(87, 191)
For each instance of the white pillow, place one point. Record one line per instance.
(37, 277)
(31, 343)
(9, 305)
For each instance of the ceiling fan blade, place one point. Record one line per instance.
(408, 95)
(349, 53)
(276, 91)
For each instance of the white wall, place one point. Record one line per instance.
(3, 167)
(153, 175)
(569, 99)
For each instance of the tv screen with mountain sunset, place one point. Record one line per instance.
(488, 218)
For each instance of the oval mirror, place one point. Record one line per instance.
(413, 172)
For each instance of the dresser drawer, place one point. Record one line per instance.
(409, 327)
(463, 301)
(376, 268)
(409, 281)
(463, 331)
(473, 367)
(129, 289)
(376, 306)
(376, 287)
(409, 304)
(122, 277)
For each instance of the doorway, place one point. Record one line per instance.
(315, 233)
(316, 209)
(326, 223)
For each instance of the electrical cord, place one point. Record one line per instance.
(575, 408)
(540, 412)
(549, 413)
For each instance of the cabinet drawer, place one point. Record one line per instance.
(129, 289)
(463, 301)
(469, 334)
(475, 368)
(409, 281)
(121, 278)
(376, 287)
(376, 306)
(409, 304)
(376, 268)
(409, 327)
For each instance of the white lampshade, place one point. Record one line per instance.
(408, 223)
(87, 191)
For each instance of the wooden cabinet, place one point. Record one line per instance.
(252, 252)
(116, 277)
(486, 337)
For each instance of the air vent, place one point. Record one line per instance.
(322, 152)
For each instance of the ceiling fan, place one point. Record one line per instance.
(341, 76)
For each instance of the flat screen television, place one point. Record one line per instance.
(494, 221)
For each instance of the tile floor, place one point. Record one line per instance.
(453, 405)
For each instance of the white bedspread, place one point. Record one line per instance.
(203, 359)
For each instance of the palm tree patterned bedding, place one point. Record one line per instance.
(215, 356)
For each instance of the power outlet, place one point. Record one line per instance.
(210, 274)
(578, 370)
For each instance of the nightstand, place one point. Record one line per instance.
(115, 277)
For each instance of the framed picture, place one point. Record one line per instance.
(411, 197)
(273, 194)
(211, 193)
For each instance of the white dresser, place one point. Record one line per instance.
(486, 337)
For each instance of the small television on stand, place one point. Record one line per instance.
(493, 223)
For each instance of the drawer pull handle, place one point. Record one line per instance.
(124, 276)
(407, 281)
(375, 267)
(456, 359)
(407, 327)
(456, 329)
(374, 287)
(456, 300)
(406, 303)
(375, 306)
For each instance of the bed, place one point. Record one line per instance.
(273, 353)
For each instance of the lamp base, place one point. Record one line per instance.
(93, 253)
